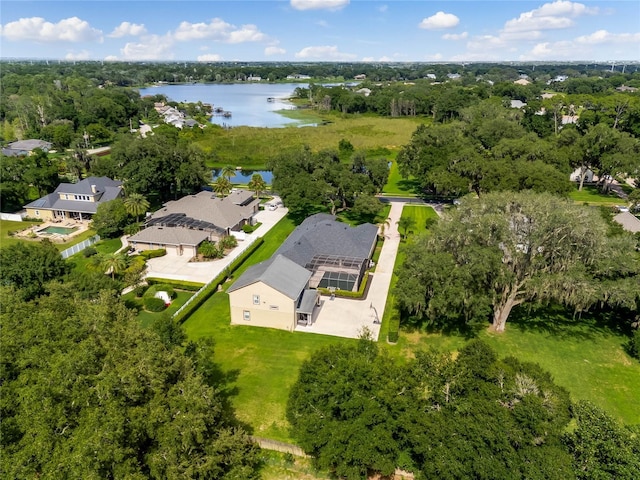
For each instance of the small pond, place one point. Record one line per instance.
(244, 176)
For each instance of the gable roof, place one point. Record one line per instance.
(323, 234)
(169, 236)
(29, 145)
(106, 189)
(628, 221)
(279, 273)
(84, 186)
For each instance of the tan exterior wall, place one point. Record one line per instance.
(264, 314)
(187, 250)
(43, 214)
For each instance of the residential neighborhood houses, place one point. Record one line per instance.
(25, 147)
(75, 201)
(181, 225)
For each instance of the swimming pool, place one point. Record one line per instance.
(59, 230)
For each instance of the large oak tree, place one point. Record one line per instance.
(495, 252)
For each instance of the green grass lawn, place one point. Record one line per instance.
(108, 245)
(262, 364)
(592, 196)
(396, 185)
(421, 214)
(147, 318)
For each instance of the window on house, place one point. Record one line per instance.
(274, 307)
(246, 315)
(256, 299)
(37, 213)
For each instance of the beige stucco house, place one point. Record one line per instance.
(273, 294)
(181, 225)
(282, 291)
(75, 201)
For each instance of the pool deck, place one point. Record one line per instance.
(33, 232)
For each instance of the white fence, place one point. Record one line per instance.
(78, 247)
(221, 267)
(13, 217)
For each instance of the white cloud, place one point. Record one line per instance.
(322, 23)
(602, 36)
(111, 58)
(319, 4)
(455, 36)
(126, 29)
(153, 47)
(274, 51)
(82, 55)
(439, 21)
(218, 30)
(37, 29)
(209, 57)
(550, 16)
(383, 8)
(326, 52)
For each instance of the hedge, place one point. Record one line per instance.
(153, 304)
(212, 287)
(160, 287)
(346, 293)
(394, 326)
(176, 284)
(147, 254)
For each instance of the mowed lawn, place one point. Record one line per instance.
(396, 185)
(592, 196)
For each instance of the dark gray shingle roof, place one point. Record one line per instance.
(279, 273)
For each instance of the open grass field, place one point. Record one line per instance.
(253, 147)
(592, 196)
(396, 185)
(421, 214)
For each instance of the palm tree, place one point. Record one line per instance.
(136, 204)
(405, 223)
(386, 223)
(257, 184)
(221, 186)
(113, 263)
(228, 172)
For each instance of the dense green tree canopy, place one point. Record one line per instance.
(475, 416)
(87, 393)
(500, 250)
(110, 218)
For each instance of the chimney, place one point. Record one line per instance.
(94, 189)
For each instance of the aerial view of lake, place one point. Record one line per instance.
(247, 102)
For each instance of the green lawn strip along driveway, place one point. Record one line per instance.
(421, 215)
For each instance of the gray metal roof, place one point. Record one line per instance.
(29, 145)
(107, 190)
(169, 236)
(84, 186)
(279, 273)
(322, 234)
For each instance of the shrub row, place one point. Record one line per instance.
(346, 293)
(153, 304)
(147, 254)
(212, 287)
(394, 326)
(177, 284)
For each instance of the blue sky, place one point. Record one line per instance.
(321, 30)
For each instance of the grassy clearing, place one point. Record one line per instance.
(262, 364)
(592, 196)
(147, 318)
(252, 147)
(421, 215)
(108, 245)
(396, 185)
(277, 466)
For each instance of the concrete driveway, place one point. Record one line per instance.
(175, 267)
(345, 317)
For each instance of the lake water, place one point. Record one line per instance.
(247, 102)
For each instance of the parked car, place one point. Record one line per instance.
(272, 206)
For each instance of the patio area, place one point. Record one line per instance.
(57, 232)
